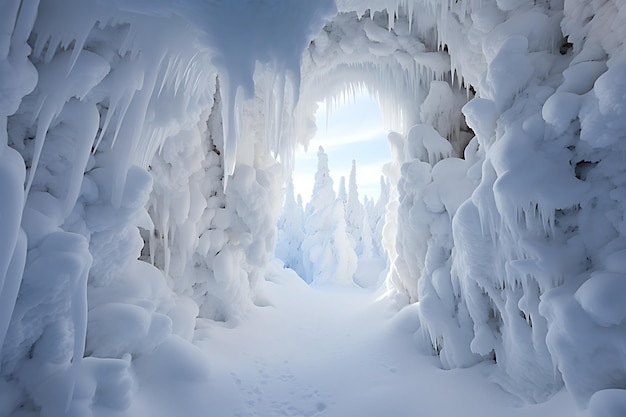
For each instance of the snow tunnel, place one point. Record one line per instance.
(144, 148)
(408, 71)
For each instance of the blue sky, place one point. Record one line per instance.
(355, 131)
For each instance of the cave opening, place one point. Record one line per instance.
(337, 194)
(349, 130)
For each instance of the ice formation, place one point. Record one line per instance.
(144, 146)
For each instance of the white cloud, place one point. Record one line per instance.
(367, 177)
(334, 141)
(354, 132)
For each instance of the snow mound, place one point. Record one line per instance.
(600, 297)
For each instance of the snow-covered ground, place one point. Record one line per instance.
(338, 351)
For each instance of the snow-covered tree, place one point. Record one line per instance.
(327, 251)
(341, 193)
(360, 228)
(291, 231)
(367, 202)
(377, 216)
(323, 191)
(354, 212)
(367, 245)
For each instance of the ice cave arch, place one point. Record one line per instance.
(123, 115)
(394, 61)
(404, 64)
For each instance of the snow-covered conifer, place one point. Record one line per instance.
(354, 212)
(327, 250)
(291, 231)
(377, 215)
(367, 245)
(341, 193)
(323, 191)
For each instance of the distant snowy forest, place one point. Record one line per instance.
(145, 151)
(336, 238)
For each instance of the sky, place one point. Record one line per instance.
(353, 131)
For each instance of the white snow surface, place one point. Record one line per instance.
(338, 351)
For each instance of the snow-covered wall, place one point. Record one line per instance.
(510, 242)
(123, 215)
(152, 130)
(513, 244)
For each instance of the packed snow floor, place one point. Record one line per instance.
(344, 352)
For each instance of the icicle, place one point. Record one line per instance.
(186, 78)
(40, 102)
(269, 119)
(163, 225)
(11, 188)
(152, 240)
(79, 319)
(181, 76)
(114, 101)
(130, 129)
(54, 43)
(121, 117)
(231, 96)
(275, 102)
(84, 119)
(57, 87)
(11, 284)
(327, 114)
(230, 139)
(8, 21)
(165, 77)
(4, 137)
(279, 100)
(79, 43)
(42, 130)
(127, 44)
